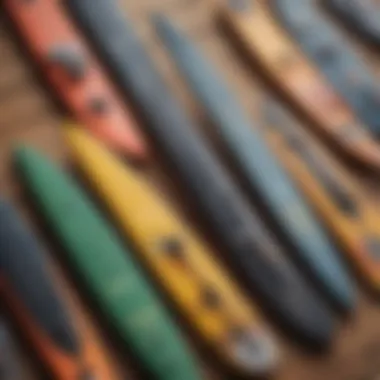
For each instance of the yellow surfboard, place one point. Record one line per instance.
(253, 24)
(351, 217)
(204, 293)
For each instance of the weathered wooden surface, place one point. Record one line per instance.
(28, 115)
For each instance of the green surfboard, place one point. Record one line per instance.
(112, 276)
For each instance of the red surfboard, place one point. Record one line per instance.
(75, 74)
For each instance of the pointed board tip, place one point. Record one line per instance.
(158, 18)
(68, 123)
(160, 21)
(74, 135)
(77, 137)
(167, 31)
(82, 144)
(23, 152)
(73, 130)
(25, 158)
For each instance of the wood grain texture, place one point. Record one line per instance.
(28, 115)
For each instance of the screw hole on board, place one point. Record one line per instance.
(173, 247)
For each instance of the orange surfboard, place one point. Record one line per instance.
(93, 359)
(65, 346)
(74, 73)
(298, 80)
